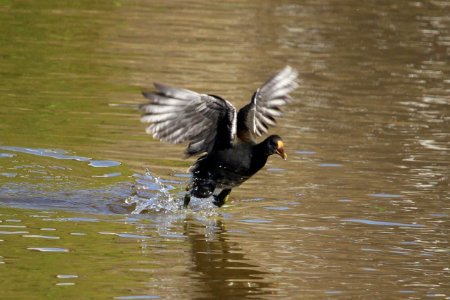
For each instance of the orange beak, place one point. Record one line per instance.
(280, 150)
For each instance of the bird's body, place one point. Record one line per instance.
(223, 170)
(211, 125)
(227, 168)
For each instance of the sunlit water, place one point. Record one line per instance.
(90, 206)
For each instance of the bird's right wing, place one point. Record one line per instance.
(178, 115)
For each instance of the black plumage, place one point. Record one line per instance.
(226, 138)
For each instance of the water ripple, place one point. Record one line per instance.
(48, 249)
(58, 154)
(13, 232)
(385, 195)
(41, 236)
(104, 163)
(66, 276)
(382, 223)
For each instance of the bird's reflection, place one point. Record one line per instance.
(220, 265)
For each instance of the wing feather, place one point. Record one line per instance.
(178, 115)
(255, 118)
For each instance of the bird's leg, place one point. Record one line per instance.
(187, 196)
(187, 199)
(220, 199)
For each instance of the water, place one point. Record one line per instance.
(90, 205)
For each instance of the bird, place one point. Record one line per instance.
(224, 139)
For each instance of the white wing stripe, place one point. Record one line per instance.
(276, 102)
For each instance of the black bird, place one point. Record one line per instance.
(212, 127)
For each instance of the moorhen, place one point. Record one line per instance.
(226, 138)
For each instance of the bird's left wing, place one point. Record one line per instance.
(178, 115)
(255, 118)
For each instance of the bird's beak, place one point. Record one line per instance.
(280, 150)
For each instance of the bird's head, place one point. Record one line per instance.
(274, 145)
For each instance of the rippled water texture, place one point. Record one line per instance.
(90, 205)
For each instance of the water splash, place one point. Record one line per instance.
(150, 193)
(147, 193)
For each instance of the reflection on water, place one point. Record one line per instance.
(360, 209)
(220, 267)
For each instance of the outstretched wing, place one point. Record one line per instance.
(177, 115)
(255, 118)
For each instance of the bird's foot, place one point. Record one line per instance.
(220, 199)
